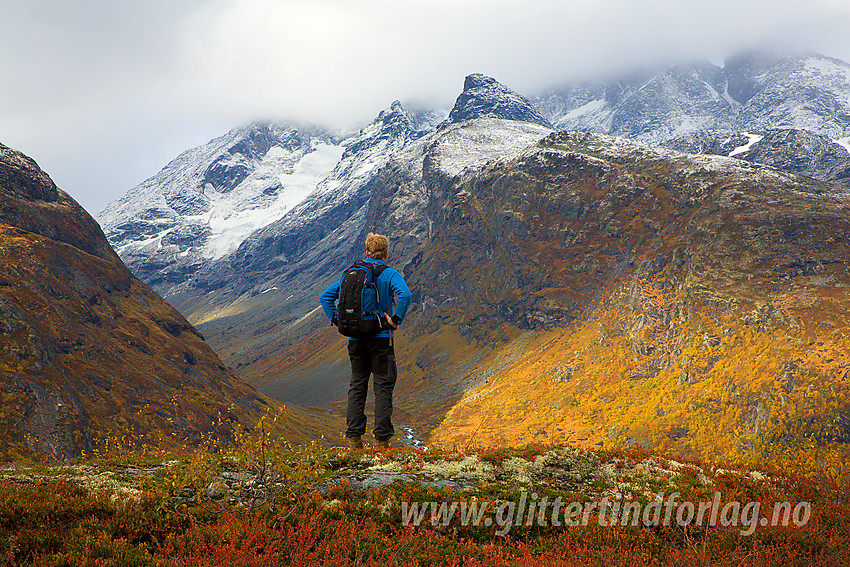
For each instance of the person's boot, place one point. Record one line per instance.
(383, 444)
(354, 443)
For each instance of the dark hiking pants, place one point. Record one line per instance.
(371, 356)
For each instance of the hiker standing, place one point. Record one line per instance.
(366, 294)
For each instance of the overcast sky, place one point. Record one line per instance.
(103, 93)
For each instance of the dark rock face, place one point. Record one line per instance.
(32, 202)
(224, 176)
(794, 151)
(483, 97)
(22, 177)
(715, 142)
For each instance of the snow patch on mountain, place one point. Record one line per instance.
(206, 201)
(753, 139)
(481, 141)
(585, 109)
(844, 143)
(231, 220)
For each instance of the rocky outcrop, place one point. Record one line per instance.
(21, 177)
(38, 206)
(485, 97)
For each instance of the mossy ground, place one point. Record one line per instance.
(269, 504)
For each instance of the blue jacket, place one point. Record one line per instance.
(390, 284)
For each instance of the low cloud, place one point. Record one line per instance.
(104, 93)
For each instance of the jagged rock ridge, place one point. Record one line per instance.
(751, 92)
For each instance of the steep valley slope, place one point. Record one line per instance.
(596, 290)
(688, 303)
(89, 355)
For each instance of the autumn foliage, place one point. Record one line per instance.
(308, 512)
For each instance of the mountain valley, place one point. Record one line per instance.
(558, 276)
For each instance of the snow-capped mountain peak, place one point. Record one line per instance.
(485, 97)
(211, 199)
(206, 201)
(254, 193)
(753, 91)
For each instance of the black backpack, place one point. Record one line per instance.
(358, 312)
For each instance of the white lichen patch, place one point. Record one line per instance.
(87, 477)
(608, 472)
(722, 472)
(388, 466)
(667, 469)
(562, 467)
(388, 506)
(518, 469)
(468, 467)
(99, 483)
(759, 476)
(645, 476)
(125, 495)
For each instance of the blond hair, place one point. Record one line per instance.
(376, 245)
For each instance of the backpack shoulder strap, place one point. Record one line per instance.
(376, 272)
